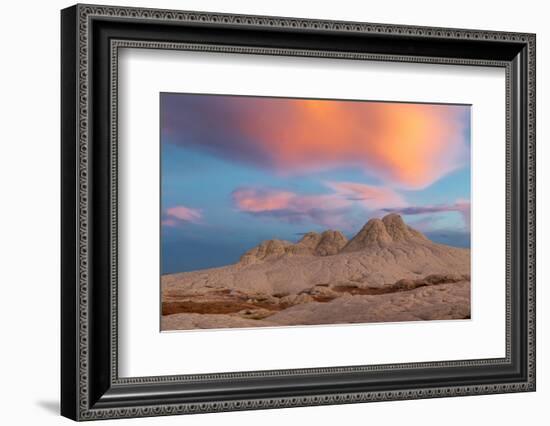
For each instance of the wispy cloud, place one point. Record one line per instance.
(331, 209)
(327, 209)
(177, 215)
(370, 196)
(461, 206)
(405, 145)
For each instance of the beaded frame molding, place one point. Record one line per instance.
(91, 39)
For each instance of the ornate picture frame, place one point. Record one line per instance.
(91, 38)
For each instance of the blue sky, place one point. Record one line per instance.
(239, 170)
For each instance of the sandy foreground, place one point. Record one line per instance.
(388, 272)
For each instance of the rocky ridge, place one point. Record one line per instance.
(326, 243)
(376, 232)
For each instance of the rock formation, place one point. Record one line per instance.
(312, 278)
(267, 250)
(312, 244)
(373, 233)
(331, 243)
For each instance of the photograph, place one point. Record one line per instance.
(280, 211)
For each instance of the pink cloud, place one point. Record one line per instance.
(177, 214)
(326, 209)
(169, 222)
(331, 209)
(257, 200)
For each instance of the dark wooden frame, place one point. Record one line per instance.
(91, 37)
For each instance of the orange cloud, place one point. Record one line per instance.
(404, 145)
(408, 145)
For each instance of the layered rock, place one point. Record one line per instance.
(432, 302)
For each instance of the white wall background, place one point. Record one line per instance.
(29, 224)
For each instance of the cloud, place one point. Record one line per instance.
(403, 144)
(372, 197)
(261, 200)
(178, 214)
(169, 222)
(325, 209)
(331, 209)
(461, 206)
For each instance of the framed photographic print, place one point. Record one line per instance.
(263, 212)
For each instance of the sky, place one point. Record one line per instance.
(237, 170)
